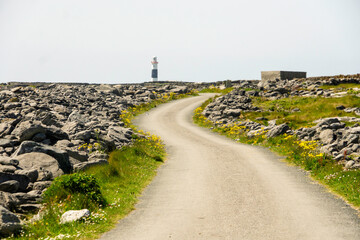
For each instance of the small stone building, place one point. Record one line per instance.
(282, 75)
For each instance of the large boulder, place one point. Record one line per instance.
(5, 142)
(61, 156)
(8, 200)
(10, 186)
(232, 112)
(32, 174)
(326, 122)
(354, 130)
(38, 161)
(278, 130)
(7, 168)
(49, 118)
(27, 129)
(180, 89)
(28, 198)
(9, 222)
(72, 128)
(5, 129)
(326, 136)
(42, 185)
(29, 208)
(119, 135)
(21, 179)
(84, 135)
(76, 116)
(8, 161)
(56, 133)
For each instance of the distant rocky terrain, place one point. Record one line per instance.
(53, 129)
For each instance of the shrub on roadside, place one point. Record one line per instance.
(82, 186)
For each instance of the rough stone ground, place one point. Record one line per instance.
(53, 129)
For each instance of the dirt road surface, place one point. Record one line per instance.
(214, 188)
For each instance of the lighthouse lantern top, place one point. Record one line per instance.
(154, 61)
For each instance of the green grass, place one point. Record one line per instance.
(342, 86)
(216, 90)
(121, 182)
(305, 154)
(109, 191)
(311, 108)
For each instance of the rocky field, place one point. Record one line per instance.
(47, 130)
(53, 129)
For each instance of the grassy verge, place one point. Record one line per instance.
(305, 154)
(307, 109)
(108, 191)
(216, 90)
(342, 86)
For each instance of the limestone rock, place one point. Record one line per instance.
(85, 165)
(10, 186)
(31, 173)
(349, 164)
(9, 222)
(5, 142)
(41, 185)
(278, 130)
(75, 116)
(5, 129)
(120, 135)
(29, 208)
(74, 215)
(327, 136)
(26, 198)
(327, 122)
(8, 161)
(61, 156)
(27, 129)
(7, 168)
(21, 179)
(38, 160)
(8, 200)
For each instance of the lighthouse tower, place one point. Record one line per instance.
(154, 72)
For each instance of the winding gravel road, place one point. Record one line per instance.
(214, 188)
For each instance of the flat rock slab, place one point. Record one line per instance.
(37, 160)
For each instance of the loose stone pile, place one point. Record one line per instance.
(342, 142)
(52, 129)
(305, 87)
(229, 107)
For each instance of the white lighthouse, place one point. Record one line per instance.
(154, 72)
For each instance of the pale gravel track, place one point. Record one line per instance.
(214, 188)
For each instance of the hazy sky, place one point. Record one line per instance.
(113, 41)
